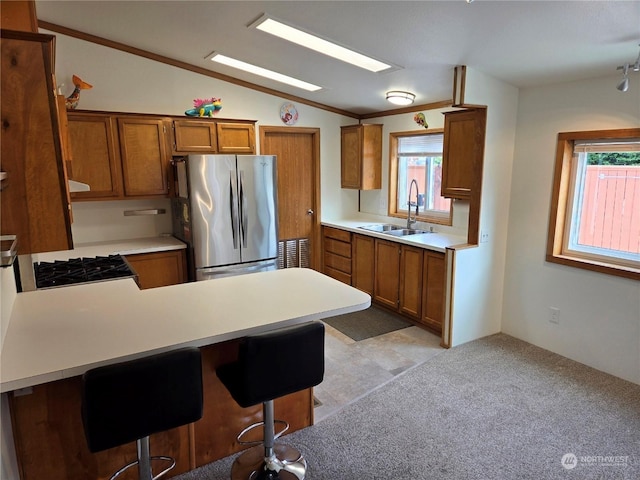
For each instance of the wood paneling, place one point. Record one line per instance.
(34, 195)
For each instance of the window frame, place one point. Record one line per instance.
(564, 179)
(393, 207)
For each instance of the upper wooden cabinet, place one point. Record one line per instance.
(119, 156)
(463, 152)
(361, 156)
(145, 156)
(34, 195)
(194, 136)
(236, 137)
(19, 15)
(95, 156)
(200, 135)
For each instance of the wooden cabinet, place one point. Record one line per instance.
(194, 136)
(119, 156)
(34, 199)
(236, 137)
(145, 156)
(197, 135)
(387, 281)
(19, 15)
(410, 301)
(433, 290)
(50, 441)
(361, 156)
(336, 246)
(95, 156)
(159, 269)
(363, 263)
(463, 152)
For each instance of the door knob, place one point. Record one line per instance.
(309, 212)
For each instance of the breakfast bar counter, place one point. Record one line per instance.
(56, 335)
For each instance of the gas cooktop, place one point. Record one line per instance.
(81, 270)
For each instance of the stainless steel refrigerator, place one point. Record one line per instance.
(226, 211)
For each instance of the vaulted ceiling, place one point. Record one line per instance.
(524, 43)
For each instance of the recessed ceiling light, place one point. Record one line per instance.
(313, 42)
(263, 72)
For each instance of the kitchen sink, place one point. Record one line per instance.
(383, 227)
(402, 232)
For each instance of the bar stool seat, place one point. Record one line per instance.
(129, 401)
(271, 365)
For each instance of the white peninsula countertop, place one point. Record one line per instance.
(62, 332)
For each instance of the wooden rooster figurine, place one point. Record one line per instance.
(74, 98)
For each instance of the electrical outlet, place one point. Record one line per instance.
(484, 236)
(554, 315)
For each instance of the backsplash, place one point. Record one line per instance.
(106, 221)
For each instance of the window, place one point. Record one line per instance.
(418, 156)
(595, 208)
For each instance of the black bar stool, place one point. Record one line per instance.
(129, 401)
(271, 365)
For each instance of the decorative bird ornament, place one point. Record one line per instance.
(74, 98)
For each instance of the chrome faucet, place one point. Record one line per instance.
(410, 204)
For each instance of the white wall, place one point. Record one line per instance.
(599, 313)
(128, 83)
(479, 272)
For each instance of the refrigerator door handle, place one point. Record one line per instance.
(243, 211)
(233, 208)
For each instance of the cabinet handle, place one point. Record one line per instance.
(309, 212)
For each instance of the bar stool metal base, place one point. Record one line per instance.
(250, 465)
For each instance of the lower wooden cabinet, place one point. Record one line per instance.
(387, 281)
(433, 290)
(336, 253)
(50, 441)
(159, 269)
(363, 263)
(411, 275)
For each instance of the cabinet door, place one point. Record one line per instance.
(144, 154)
(411, 260)
(236, 138)
(363, 262)
(463, 150)
(433, 290)
(194, 136)
(387, 281)
(337, 254)
(159, 269)
(94, 156)
(351, 156)
(34, 194)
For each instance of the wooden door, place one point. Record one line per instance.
(433, 290)
(94, 156)
(298, 159)
(411, 281)
(387, 282)
(363, 251)
(145, 157)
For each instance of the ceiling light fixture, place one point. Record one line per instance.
(320, 45)
(623, 86)
(263, 72)
(398, 97)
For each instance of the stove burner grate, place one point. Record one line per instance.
(80, 270)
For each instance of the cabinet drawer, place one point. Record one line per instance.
(337, 262)
(339, 248)
(341, 276)
(338, 234)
